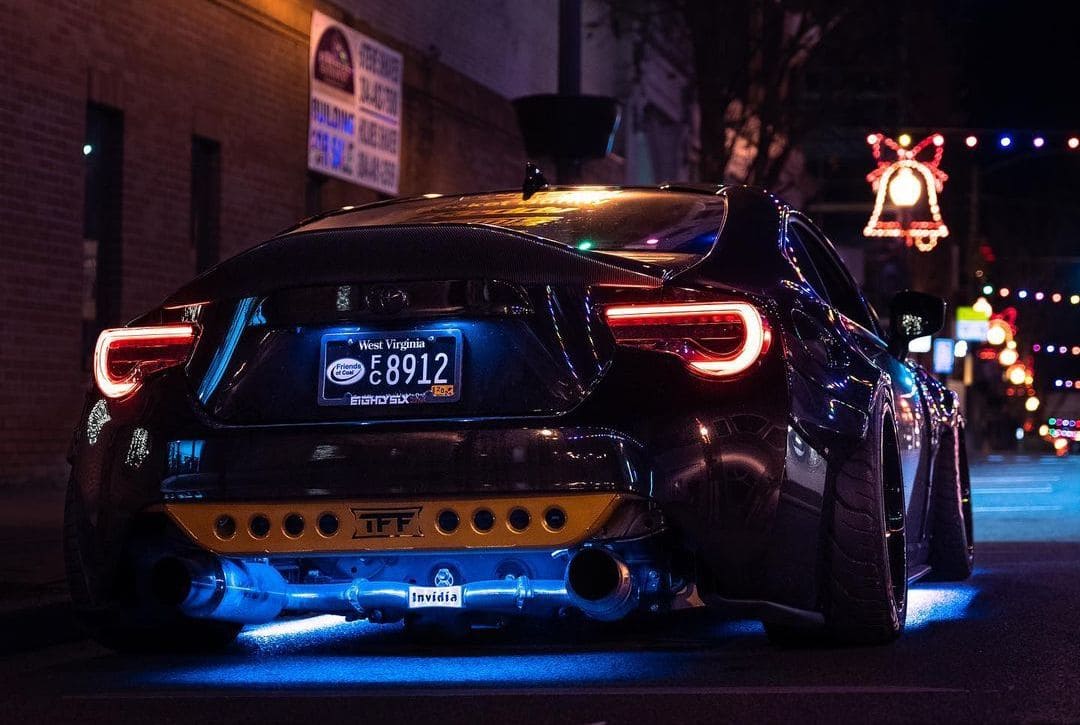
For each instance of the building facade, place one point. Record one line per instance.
(144, 141)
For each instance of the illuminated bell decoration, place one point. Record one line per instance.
(901, 181)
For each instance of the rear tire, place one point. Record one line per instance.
(864, 583)
(952, 543)
(124, 629)
(865, 589)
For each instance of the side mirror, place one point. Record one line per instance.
(911, 315)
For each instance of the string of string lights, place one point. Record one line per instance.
(1072, 298)
(1003, 140)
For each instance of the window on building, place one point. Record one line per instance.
(205, 201)
(103, 151)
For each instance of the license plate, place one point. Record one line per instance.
(383, 369)
(424, 597)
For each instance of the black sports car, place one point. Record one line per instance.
(579, 402)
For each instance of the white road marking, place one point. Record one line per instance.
(1015, 479)
(1006, 489)
(1006, 509)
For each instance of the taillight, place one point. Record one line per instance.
(717, 339)
(125, 355)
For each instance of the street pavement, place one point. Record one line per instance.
(1002, 646)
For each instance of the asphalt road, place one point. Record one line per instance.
(1000, 647)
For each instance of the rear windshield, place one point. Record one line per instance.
(648, 225)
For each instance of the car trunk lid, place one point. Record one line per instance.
(299, 328)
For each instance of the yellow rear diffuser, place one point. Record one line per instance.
(391, 525)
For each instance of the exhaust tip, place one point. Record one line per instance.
(594, 575)
(170, 581)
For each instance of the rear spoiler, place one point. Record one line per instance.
(408, 253)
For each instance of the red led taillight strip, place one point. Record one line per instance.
(693, 317)
(124, 356)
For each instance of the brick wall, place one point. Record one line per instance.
(231, 70)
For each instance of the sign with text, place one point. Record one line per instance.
(354, 118)
(971, 324)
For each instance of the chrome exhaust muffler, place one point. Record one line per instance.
(253, 592)
(225, 589)
(601, 585)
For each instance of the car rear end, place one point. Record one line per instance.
(442, 412)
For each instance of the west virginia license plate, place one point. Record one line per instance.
(381, 369)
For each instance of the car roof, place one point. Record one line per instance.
(344, 217)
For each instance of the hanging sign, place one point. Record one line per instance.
(354, 120)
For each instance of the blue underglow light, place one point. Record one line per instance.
(327, 625)
(329, 651)
(939, 603)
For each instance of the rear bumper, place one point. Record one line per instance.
(605, 556)
(716, 472)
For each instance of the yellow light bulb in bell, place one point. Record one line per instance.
(1031, 405)
(904, 188)
(1008, 357)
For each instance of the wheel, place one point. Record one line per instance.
(952, 541)
(125, 629)
(864, 586)
(864, 583)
